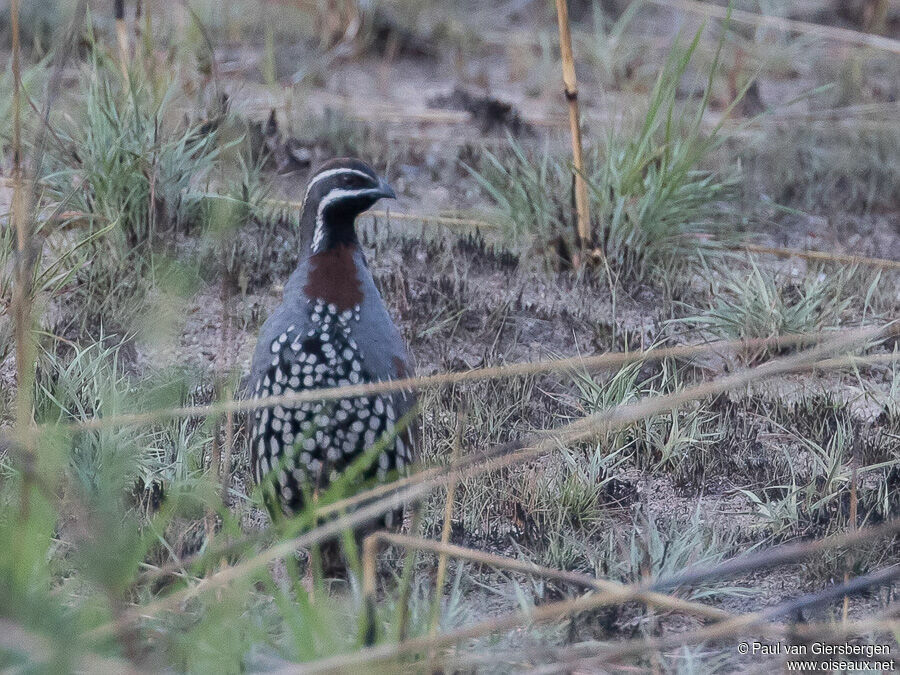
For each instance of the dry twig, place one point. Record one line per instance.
(609, 360)
(442, 548)
(498, 458)
(558, 610)
(828, 32)
(582, 204)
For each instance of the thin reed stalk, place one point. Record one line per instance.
(733, 627)
(582, 204)
(609, 360)
(458, 222)
(780, 23)
(442, 548)
(446, 527)
(24, 258)
(815, 256)
(146, 37)
(558, 610)
(502, 457)
(121, 37)
(23, 297)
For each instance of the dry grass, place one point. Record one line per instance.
(606, 488)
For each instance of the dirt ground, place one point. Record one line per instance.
(467, 297)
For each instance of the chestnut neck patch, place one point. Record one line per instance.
(333, 277)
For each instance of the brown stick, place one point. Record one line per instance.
(819, 256)
(24, 274)
(447, 527)
(357, 662)
(582, 206)
(506, 456)
(829, 32)
(609, 360)
(122, 36)
(442, 548)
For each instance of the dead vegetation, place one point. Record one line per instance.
(645, 514)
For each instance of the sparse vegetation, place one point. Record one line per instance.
(132, 536)
(134, 181)
(760, 305)
(840, 166)
(653, 203)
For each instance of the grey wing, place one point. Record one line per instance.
(288, 313)
(385, 355)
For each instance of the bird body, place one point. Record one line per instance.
(332, 329)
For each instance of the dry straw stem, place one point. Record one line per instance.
(885, 112)
(23, 221)
(496, 458)
(660, 600)
(828, 32)
(21, 301)
(558, 610)
(733, 627)
(880, 113)
(567, 657)
(609, 360)
(820, 256)
(817, 256)
(450, 221)
(582, 205)
(458, 222)
(343, 505)
(22, 297)
(122, 36)
(448, 523)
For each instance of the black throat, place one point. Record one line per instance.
(339, 229)
(337, 224)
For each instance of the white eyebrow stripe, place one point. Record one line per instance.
(333, 172)
(332, 196)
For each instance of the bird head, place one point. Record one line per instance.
(338, 192)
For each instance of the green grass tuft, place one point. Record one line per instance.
(653, 204)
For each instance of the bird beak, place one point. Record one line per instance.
(385, 190)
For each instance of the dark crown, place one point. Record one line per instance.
(338, 192)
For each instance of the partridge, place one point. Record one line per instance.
(332, 329)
